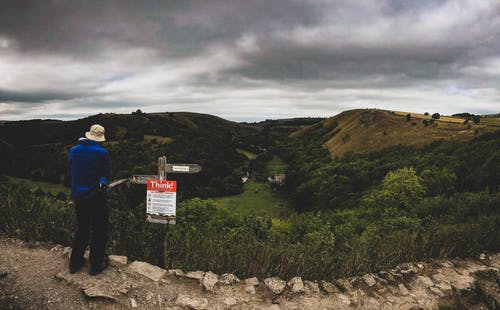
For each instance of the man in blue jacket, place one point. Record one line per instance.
(89, 168)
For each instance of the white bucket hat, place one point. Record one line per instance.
(96, 133)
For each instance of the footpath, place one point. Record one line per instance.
(35, 275)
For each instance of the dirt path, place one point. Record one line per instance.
(35, 276)
(29, 280)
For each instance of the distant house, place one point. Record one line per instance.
(277, 179)
(244, 178)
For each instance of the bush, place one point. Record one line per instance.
(322, 245)
(28, 215)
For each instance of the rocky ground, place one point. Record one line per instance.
(35, 276)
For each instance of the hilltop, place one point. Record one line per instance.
(118, 127)
(364, 130)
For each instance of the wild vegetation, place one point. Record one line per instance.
(333, 217)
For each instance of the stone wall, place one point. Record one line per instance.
(421, 285)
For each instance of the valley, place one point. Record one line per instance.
(358, 192)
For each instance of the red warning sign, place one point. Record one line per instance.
(162, 186)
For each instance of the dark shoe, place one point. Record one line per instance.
(74, 269)
(95, 270)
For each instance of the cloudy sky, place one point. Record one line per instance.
(248, 60)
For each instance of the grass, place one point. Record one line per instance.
(275, 165)
(159, 139)
(248, 154)
(52, 188)
(490, 121)
(443, 118)
(371, 129)
(256, 198)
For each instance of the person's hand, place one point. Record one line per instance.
(103, 185)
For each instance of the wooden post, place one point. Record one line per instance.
(162, 163)
(162, 174)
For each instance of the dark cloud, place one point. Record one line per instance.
(35, 97)
(206, 55)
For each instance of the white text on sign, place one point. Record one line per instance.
(168, 186)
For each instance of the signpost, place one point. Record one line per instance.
(167, 168)
(161, 194)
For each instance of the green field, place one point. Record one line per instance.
(256, 198)
(248, 154)
(52, 188)
(275, 165)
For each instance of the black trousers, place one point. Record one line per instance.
(92, 218)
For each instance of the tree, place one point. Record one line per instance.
(490, 172)
(439, 181)
(426, 113)
(476, 119)
(408, 117)
(401, 189)
(436, 116)
(425, 122)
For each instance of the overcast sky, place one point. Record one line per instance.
(248, 60)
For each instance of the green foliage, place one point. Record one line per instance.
(321, 245)
(444, 168)
(439, 181)
(401, 189)
(31, 214)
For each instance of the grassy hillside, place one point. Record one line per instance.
(119, 127)
(38, 149)
(366, 130)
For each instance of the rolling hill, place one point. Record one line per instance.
(370, 129)
(119, 127)
(37, 149)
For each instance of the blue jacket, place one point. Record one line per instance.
(88, 163)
